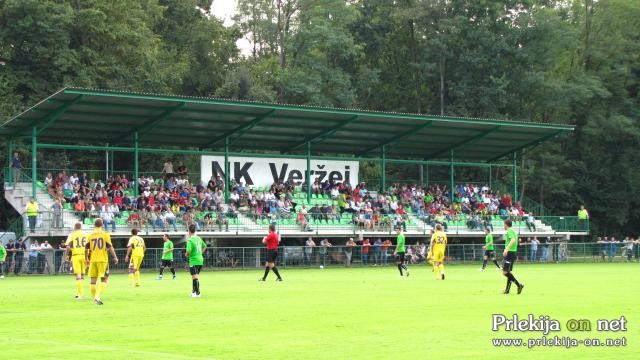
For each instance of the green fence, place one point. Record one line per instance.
(221, 258)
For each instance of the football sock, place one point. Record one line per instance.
(193, 285)
(508, 288)
(161, 271)
(436, 270)
(275, 270)
(266, 272)
(79, 286)
(197, 284)
(400, 269)
(130, 278)
(513, 278)
(441, 268)
(173, 271)
(496, 263)
(137, 275)
(484, 264)
(93, 291)
(100, 289)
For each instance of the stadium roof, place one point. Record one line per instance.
(113, 117)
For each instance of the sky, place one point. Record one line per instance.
(224, 10)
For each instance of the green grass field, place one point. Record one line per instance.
(338, 313)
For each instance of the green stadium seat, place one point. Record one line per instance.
(87, 221)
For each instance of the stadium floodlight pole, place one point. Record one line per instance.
(135, 163)
(451, 174)
(227, 176)
(34, 152)
(383, 170)
(308, 175)
(515, 177)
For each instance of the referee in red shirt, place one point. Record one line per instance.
(272, 240)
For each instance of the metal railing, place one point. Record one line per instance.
(228, 258)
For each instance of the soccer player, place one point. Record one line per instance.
(167, 256)
(136, 249)
(510, 249)
(96, 256)
(75, 244)
(400, 251)
(194, 251)
(437, 250)
(3, 257)
(488, 249)
(271, 241)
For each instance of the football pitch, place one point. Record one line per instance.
(335, 313)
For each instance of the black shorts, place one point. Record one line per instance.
(490, 254)
(166, 263)
(272, 255)
(400, 258)
(195, 269)
(508, 261)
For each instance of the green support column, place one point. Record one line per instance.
(426, 174)
(383, 170)
(227, 176)
(515, 177)
(308, 174)
(9, 157)
(490, 177)
(136, 154)
(451, 190)
(111, 162)
(34, 167)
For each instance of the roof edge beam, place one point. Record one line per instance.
(464, 142)
(57, 113)
(322, 135)
(398, 137)
(532, 143)
(240, 129)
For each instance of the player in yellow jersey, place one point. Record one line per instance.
(98, 242)
(437, 250)
(136, 249)
(76, 242)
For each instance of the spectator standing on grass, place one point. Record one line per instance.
(545, 250)
(613, 248)
(385, 251)
(308, 250)
(366, 245)
(534, 249)
(3, 258)
(629, 247)
(47, 257)
(33, 257)
(324, 244)
(20, 249)
(348, 251)
(377, 252)
(10, 249)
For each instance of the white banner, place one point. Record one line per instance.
(265, 171)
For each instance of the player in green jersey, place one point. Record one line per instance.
(3, 257)
(400, 251)
(167, 257)
(488, 249)
(510, 250)
(194, 251)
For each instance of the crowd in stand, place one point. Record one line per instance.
(167, 200)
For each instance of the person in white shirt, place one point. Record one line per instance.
(47, 250)
(107, 218)
(170, 218)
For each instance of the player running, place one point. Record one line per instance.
(437, 250)
(136, 249)
(194, 251)
(271, 241)
(488, 249)
(96, 256)
(510, 250)
(76, 242)
(167, 257)
(400, 251)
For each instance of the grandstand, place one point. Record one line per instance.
(229, 199)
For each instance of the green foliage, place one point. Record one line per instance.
(571, 62)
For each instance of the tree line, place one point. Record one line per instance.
(548, 61)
